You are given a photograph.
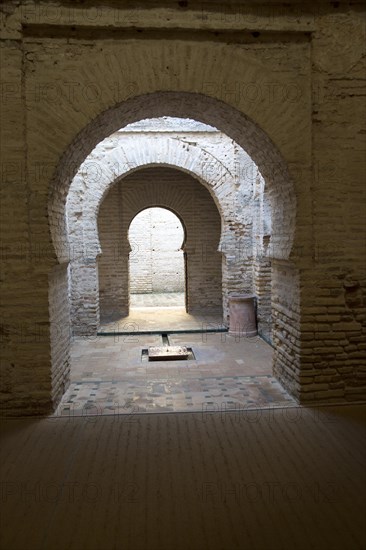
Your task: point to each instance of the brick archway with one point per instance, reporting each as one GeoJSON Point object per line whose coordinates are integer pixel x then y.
{"type": "Point", "coordinates": [204, 109]}
{"type": "Point", "coordinates": [280, 189]}
{"type": "Point", "coordinates": [180, 193]}
{"type": "Point", "coordinates": [120, 162]}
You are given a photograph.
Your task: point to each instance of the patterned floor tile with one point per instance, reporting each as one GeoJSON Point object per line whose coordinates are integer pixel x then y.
{"type": "Point", "coordinates": [117, 383]}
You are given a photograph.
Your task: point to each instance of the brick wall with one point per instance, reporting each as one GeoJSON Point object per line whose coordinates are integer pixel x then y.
{"type": "Point", "coordinates": [288, 88]}
{"type": "Point", "coordinates": [262, 266]}
{"type": "Point", "coordinates": [60, 331]}
{"type": "Point", "coordinates": [218, 164]}
{"type": "Point", "coordinates": [179, 192]}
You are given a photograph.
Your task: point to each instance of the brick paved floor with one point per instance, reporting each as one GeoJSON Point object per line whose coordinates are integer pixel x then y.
{"type": "Point", "coordinates": [111, 376]}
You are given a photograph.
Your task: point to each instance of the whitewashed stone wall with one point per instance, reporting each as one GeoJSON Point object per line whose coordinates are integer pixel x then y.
{"type": "Point", "coordinates": [156, 238]}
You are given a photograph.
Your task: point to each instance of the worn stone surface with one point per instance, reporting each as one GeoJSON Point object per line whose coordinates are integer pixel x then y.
{"type": "Point", "coordinates": [166, 353]}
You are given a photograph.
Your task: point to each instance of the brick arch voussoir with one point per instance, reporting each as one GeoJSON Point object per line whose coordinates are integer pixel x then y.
{"type": "Point", "coordinates": [166, 152]}
{"type": "Point", "coordinates": [203, 108]}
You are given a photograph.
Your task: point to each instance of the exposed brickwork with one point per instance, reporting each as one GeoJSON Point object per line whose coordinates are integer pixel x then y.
{"type": "Point", "coordinates": [333, 335]}
{"type": "Point", "coordinates": [288, 88]}
{"type": "Point", "coordinates": [217, 163]}
{"type": "Point", "coordinates": [262, 265]}
{"type": "Point", "coordinates": [182, 194]}
{"type": "Point", "coordinates": [60, 332]}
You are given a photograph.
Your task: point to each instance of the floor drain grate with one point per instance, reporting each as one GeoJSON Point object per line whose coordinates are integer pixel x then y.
{"type": "Point", "coordinates": [188, 356]}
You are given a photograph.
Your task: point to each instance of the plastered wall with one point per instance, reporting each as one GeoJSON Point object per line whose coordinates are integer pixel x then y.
{"type": "Point", "coordinates": [156, 260]}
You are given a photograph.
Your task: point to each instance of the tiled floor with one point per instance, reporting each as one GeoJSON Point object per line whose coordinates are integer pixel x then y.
{"type": "Point", "coordinates": [110, 377]}
{"type": "Point", "coordinates": [151, 313]}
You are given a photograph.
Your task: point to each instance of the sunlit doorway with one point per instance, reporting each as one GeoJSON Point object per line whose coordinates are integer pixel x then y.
{"type": "Point", "coordinates": [157, 265]}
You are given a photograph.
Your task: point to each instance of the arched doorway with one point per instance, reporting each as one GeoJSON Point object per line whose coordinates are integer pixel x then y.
{"type": "Point", "coordinates": [180, 193]}
{"type": "Point", "coordinates": [271, 165]}
{"type": "Point", "coordinates": [115, 159]}
{"type": "Point", "coordinates": [157, 275]}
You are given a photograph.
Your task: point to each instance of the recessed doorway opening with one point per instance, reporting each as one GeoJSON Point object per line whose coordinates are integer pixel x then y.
{"type": "Point", "coordinates": [219, 192]}
{"type": "Point", "coordinates": [157, 273]}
